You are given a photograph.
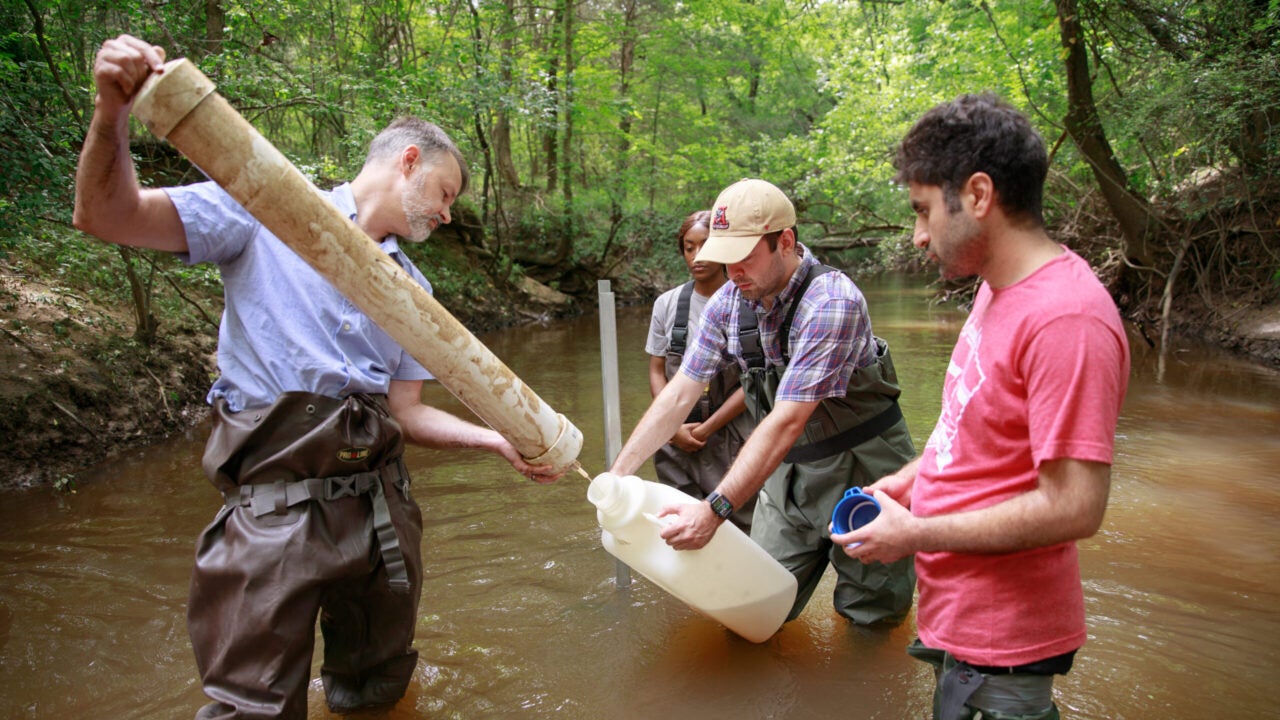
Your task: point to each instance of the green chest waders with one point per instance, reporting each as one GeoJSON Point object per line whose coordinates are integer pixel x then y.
{"type": "Point", "coordinates": [849, 441]}
{"type": "Point", "coordinates": [699, 473]}
{"type": "Point", "coordinates": [317, 521]}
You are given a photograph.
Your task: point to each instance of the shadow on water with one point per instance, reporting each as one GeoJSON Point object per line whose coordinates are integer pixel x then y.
{"type": "Point", "coordinates": [521, 618]}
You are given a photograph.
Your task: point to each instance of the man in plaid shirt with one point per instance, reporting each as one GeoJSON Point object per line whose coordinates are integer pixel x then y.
{"type": "Point", "coordinates": [821, 388]}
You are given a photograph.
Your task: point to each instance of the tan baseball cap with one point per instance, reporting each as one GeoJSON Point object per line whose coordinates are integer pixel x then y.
{"type": "Point", "coordinates": [744, 212]}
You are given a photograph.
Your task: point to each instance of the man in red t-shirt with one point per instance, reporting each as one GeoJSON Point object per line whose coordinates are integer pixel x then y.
{"type": "Point", "coordinates": [1019, 465]}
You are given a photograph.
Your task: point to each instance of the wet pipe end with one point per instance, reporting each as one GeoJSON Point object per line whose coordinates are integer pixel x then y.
{"type": "Point", "coordinates": [563, 453]}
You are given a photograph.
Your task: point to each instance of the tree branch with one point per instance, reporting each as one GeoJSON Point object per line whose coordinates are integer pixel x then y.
{"type": "Point", "coordinates": [53, 66]}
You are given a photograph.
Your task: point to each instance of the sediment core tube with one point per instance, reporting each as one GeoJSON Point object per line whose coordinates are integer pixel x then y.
{"type": "Point", "coordinates": [180, 105]}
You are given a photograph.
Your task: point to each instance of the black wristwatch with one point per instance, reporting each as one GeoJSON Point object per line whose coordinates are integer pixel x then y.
{"type": "Point", "coordinates": [720, 505]}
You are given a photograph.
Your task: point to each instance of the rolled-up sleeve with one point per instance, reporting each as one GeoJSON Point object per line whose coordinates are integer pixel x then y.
{"type": "Point", "coordinates": [218, 228]}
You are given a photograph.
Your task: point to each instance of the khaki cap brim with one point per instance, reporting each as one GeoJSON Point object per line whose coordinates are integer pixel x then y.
{"type": "Point", "coordinates": [727, 249]}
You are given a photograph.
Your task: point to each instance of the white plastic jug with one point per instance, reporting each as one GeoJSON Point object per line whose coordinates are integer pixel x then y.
{"type": "Point", "coordinates": [731, 579]}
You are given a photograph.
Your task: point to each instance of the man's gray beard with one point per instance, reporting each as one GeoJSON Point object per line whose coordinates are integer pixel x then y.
{"type": "Point", "coordinates": [419, 221]}
{"type": "Point", "coordinates": [419, 225]}
{"type": "Point", "coordinates": [415, 239]}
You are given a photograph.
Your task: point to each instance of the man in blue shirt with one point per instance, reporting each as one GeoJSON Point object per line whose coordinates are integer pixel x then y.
{"type": "Point", "coordinates": [310, 415]}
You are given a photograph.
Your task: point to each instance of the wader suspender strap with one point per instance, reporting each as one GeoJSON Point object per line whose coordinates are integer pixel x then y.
{"type": "Point", "coordinates": [753, 354]}
{"type": "Point", "coordinates": [277, 497]}
{"type": "Point", "coordinates": [680, 342]}
{"type": "Point", "coordinates": [388, 541]}
{"type": "Point", "coordinates": [749, 329]}
{"type": "Point", "coordinates": [749, 337]}
{"type": "Point", "coordinates": [680, 331]}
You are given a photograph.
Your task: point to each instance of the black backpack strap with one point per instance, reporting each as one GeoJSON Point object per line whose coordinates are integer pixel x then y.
{"type": "Point", "coordinates": [680, 331]}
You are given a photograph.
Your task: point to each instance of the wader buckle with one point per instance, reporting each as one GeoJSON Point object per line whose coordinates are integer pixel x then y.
{"type": "Point", "coordinates": [276, 497]}
{"type": "Point", "coordinates": [343, 486]}
{"type": "Point", "coordinates": [846, 439]}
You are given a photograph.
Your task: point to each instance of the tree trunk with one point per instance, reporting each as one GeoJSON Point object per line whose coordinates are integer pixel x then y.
{"type": "Point", "coordinates": [565, 246]}
{"type": "Point", "coordinates": [1137, 222]}
{"type": "Point", "coordinates": [478, 113]}
{"type": "Point", "coordinates": [550, 132]}
{"type": "Point", "coordinates": [566, 109]}
{"type": "Point", "coordinates": [508, 176]}
{"type": "Point", "coordinates": [144, 330]}
{"type": "Point", "coordinates": [626, 58]}
{"type": "Point", "coordinates": [215, 19]}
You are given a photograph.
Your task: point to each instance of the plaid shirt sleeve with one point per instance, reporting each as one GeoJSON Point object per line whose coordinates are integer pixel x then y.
{"type": "Point", "coordinates": [830, 338]}
{"type": "Point", "coordinates": [708, 352]}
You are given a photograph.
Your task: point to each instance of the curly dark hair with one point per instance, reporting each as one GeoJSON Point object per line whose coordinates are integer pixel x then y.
{"type": "Point", "coordinates": [972, 134]}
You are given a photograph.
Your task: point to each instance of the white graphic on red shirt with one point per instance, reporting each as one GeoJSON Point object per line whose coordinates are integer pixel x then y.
{"type": "Point", "coordinates": [963, 382]}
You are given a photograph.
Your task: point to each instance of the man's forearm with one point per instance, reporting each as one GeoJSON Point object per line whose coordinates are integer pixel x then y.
{"type": "Point", "coordinates": [764, 451]}
{"type": "Point", "coordinates": [660, 422]}
{"type": "Point", "coordinates": [652, 432]}
{"type": "Point", "coordinates": [1068, 505]}
{"type": "Point", "coordinates": [105, 172]}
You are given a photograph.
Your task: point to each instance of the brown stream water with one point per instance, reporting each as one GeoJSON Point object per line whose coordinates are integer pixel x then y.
{"type": "Point", "coordinates": [521, 617]}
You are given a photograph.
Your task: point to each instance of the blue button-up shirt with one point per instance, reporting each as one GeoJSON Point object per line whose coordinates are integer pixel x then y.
{"type": "Point", "coordinates": [830, 335]}
{"type": "Point", "coordinates": [285, 328]}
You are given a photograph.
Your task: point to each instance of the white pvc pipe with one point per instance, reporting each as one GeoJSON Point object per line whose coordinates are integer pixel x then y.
{"type": "Point", "coordinates": [612, 401]}
{"type": "Point", "coordinates": [181, 106]}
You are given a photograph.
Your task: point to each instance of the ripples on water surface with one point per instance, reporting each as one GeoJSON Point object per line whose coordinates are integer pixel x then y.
{"type": "Point", "coordinates": [521, 618]}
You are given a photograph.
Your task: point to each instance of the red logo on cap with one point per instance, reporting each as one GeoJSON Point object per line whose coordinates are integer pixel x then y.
{"type": "Point", "coordinates": [718, 219]}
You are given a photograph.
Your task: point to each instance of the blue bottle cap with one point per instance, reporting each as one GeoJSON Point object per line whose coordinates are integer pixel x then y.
{"type": "Point", "coordinates": [853, 511]}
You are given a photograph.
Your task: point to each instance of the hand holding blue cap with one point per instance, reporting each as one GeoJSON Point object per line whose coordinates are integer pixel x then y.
{"type": "Point", "coordinates": [853, 511]}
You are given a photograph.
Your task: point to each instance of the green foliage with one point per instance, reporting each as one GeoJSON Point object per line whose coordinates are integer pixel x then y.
{"type": "Point", "coordinates": [1195, 87]}
{"type": "Point", "coordinates": [37, 142]}
{"type": "Point", "coordinates": [612, 128]}
{"type": "Point", "coordinates": [452, 278]}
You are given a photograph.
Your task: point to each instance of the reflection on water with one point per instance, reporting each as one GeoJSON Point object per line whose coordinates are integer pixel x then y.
{"type": "Point", "coordinates": [520, 616]}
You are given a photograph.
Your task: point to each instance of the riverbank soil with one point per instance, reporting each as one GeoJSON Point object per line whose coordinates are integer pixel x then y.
{"type": "Point", "coordinates": [1214, 274]}
{"type": "Point", "coordinates": [75, 387]}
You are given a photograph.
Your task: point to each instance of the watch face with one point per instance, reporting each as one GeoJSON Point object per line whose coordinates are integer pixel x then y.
{"type": "Point", "coordinates": [719, 505]}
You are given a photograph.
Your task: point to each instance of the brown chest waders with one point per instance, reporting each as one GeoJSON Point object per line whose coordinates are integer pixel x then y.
{"type": "Point", "coordinates": [317, 522]}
